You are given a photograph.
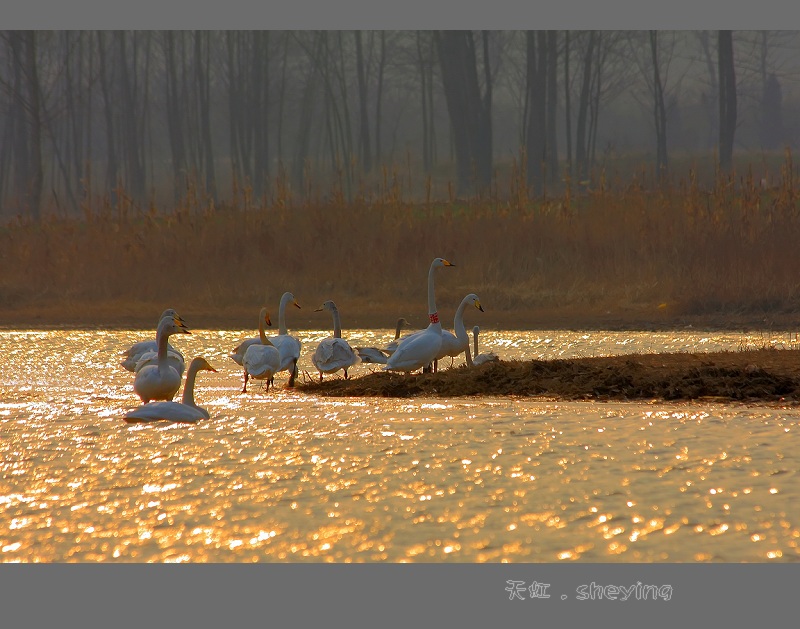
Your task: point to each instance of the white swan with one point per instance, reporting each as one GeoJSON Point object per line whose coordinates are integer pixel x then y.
{"type": "Point", "coordinates": [488, 357]}
{"type": "Point", "coordinates": [287, 345]}
{"type": "Point", "coordinates": [458, 343]}
{"type": "Point", "coordinates": [133, 355]}
{"type": "Point", "coordinates": [261, 361]}
{"type": "Point", "coordinates": [333, 353]}
{"type": "Point", "coordinates": [184, 411]}
{"type": "Point", "coordinates": [420, 350]}
{"type": "Point", "coordinates": [261, 339]}
{"type": "Point", "coordinates": [375, 355]}
{"type": "Point", "coordinates": [150, 357]}
{"type": "Point", "coordinates": [161, 381]}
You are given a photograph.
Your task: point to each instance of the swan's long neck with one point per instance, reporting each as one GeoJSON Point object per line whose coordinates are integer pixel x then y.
{"type": "Point", "coordinates": [162, 337]}
{"type": "Point", "coordinates": [337, 324]}
{"type": "Point", "coordinates": [282, 315]}
{"type": "Point", "coordinates": [458, 323]}
{"type": "Point", "coordinates": [397, 330]}
{"type": "Point", "coordinates": [261, 333]}
{"type": "Point", "coordinates": [433, 314]}
{"type": "Point", "coordinates": [188, 388]}
{"type": "Point", "coordinates": [475, 342]}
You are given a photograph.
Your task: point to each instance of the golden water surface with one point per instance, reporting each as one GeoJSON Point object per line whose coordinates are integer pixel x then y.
{"type": "Point", "coordinates": [281, 476]}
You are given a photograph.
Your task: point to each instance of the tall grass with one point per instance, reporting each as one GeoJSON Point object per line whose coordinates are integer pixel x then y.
{"type": "Point", "coordinates": [620, 250]}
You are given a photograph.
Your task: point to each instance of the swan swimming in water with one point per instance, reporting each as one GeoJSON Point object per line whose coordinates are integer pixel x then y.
{"type": "Point", "coordinates": [420, 350]}
{"type": "Point", "coordinates": [333, 353]}
{"type": "Point", "coordinates": [132, 357]}
{"type": "Point", "coordinates": [488, 357]}
{"type": "Point", "coordinates": [288, 346]}
{"type": "Point", "coordinates": [183, 411]}
{"type": "Point", "coordinates": [161, 380]}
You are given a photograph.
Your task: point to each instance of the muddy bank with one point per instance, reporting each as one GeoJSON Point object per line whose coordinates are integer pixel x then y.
{"type": "Point", "coordinates": [768, 375]}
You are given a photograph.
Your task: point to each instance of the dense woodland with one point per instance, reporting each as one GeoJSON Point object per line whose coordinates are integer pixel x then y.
{"type": "Point", "coordinates": [89, 116]}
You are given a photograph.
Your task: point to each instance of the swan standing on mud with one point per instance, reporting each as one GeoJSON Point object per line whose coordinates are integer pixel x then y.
{"type": "Point", "coordinates": [458, 343]}
{"type": "Point", "coordinates": [184, 411]}
{"type": "Point", "coordinates": [261, 361]}
{"type": "Point", "coordinates": [137, 355]}
{"type": "Point", "coordinates": [161, 381]}
{"type": "Point", "coordinates": [333, 353]}
{"type": "Point", "coordinates": [420, 350]}
{"type": "Point", "coordinates": [261, 339]}
{"type": "Point", "coordinates": [288, 346]}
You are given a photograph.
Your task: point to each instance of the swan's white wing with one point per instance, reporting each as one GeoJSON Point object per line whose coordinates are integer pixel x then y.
{"type": "Point", "coordinates": [154, 384]}
{"type": "Point", "coordinates": [451, 346]}
{"type": "Point", "coordinates": [289, 348]}
{"type": "Point", "coordinates": [391, 348]}
{"type": "Point", "coordinates": [416, 351]}
{"type": "Point", "coordinates": [241, 348]}
{"type": "Point", "coordinates": [261, 361]}
{"type": "Point", "coordinates": [170, 411]}
{"type": "Point", "coordinates": [134, 353]}
{"type": "Point", "coordinates": [371, 355]}
{"type": "Point", "coordinates": [333, 354]}
{"type": "Point", "coordinates": [174, 359]}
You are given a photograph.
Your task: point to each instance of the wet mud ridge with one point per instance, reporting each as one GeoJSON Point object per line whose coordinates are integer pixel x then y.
{"type": "Point", "coordinates": [767, 375]}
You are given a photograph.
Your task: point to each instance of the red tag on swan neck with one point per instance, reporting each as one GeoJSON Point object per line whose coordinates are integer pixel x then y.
{"type": "Point", "coordinates": [434, 317]}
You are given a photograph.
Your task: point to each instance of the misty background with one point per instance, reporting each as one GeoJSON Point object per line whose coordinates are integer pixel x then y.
{"type": "Point", "coordinates": [88, 116]}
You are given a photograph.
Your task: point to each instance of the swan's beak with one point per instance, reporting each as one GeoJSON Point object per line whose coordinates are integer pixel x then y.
{"type": "Point", "coordinates": [478, 306]}
{"type": "Point", "coordinates": [446, 263]}
{"type": "Point", "coordinates": [181, 325]}
{"type": "Point", "coordinates": [268, 321]}
{"type": "Point", "coordinates": [315, 310]}
{"type": "Point", "coordinates": [296, 304]}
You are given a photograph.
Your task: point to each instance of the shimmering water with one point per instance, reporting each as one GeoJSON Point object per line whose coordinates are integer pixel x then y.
{"type": "Point", "coordinates": [288, 477]}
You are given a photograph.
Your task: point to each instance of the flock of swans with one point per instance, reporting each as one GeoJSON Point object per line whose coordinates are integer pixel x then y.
{"type": "Point", "coordinates": [159, 367]}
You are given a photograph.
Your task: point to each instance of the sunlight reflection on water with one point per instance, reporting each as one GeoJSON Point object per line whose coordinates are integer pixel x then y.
{"type": "Point", "coordinates": [284, 476]}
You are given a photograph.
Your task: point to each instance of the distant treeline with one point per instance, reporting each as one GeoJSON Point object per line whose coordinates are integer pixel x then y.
{"type": "Point", "coordinates": [161, 115]}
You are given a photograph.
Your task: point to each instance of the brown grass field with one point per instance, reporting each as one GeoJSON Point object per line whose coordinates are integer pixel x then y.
{"type": "Point", "coordinates": [615, 254]}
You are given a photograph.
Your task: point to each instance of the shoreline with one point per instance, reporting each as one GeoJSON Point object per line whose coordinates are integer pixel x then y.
{"type": "Point", "coordinates": [116, 316]}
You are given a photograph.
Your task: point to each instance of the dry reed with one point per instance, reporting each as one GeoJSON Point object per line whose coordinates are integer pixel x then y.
{"type": "Point", "coordinates": [612, 252]}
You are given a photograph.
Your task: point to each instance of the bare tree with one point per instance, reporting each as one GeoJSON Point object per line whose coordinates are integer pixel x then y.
{"type": "Point", "coordinates": [469, 107]}
{"type": "Point", "coordinates": [727, 99]}
{"type": "Point", "coordinates": [364, 144]}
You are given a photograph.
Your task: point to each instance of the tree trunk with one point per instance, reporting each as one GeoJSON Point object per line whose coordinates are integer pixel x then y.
{"type": "Point", "coordinates": [379, 97]}
{"type": "Point", "coordinates": [175, 118]}
{"type": "Point", "coordinates": [551, 141]}
{"type": "Point", "coordinates": [364, 143]}
{"type": "Point", "coordinates": [581, 157]}
{"type": "Point", "coordinates": [567, 110]}
{"type": "Point", "coordinates": [536, 126]}
{"type": "Point", "coordinates": [112, 162]}
{"type": "Point", "coordinates": [727, 99]}
{"type": "Point", "coordinates": [469, 110]}
{"type": "Point", "coordinates": [659, 110]}
{"type": "Point", "coordinates": [131, 140]}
